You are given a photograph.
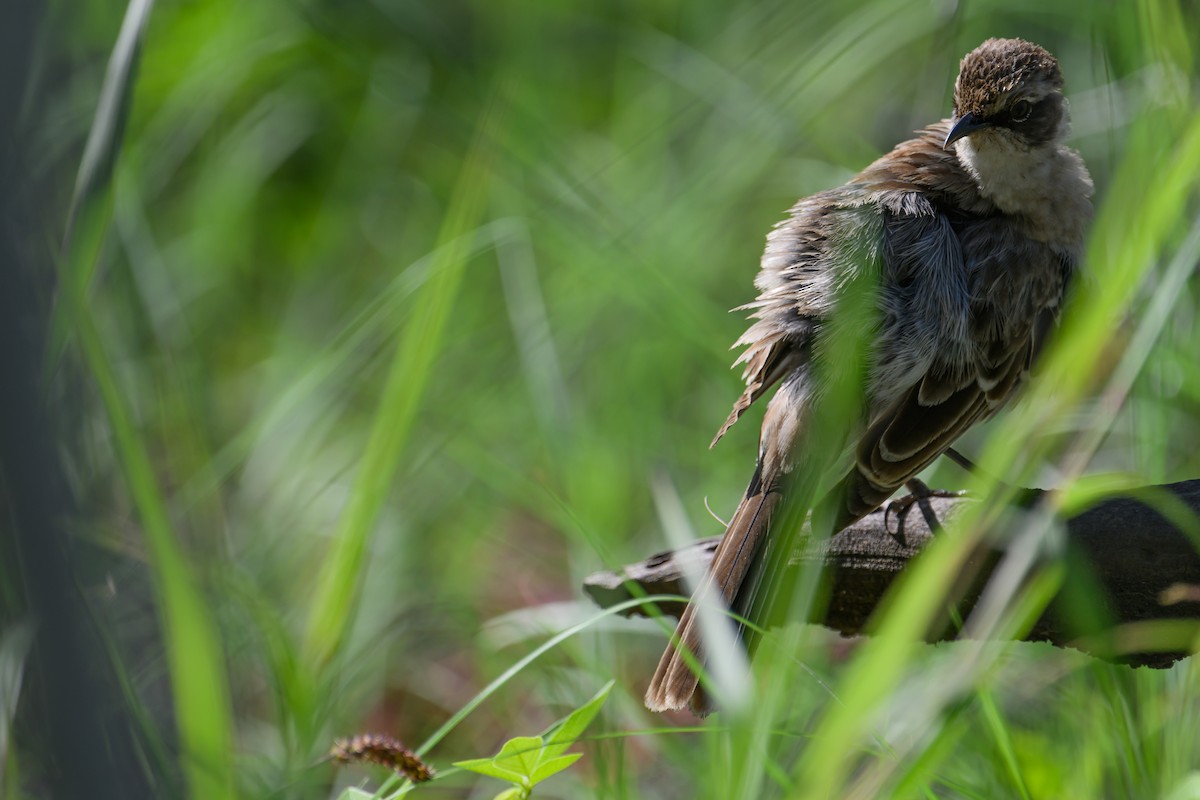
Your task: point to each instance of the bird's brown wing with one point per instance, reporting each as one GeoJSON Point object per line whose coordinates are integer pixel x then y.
{"type": "Point", "coordinates": [829, 242]}
{"type": "Point", "coordinates": [926, 420]}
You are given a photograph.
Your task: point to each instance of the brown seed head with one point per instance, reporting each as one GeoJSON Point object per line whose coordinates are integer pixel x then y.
{"type": "Point", "coordinates": [383, 750]}
{"type": "Point", "coordinates": [993, 74]}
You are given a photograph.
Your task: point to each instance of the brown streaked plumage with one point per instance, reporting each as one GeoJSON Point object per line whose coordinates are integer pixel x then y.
{"type": "Point", "coordinates": [968, 234]}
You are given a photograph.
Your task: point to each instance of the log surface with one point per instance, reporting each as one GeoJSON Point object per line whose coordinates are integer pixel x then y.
{"type": "Point", "coordinates": [1131, 575]}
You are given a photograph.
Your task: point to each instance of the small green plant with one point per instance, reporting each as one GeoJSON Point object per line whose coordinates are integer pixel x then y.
{"type": "Point", "coordinates": [525, 761]}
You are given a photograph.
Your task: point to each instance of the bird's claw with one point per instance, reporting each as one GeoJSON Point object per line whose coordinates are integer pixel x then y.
{"type": "Point", "coordinates": [900, 506]}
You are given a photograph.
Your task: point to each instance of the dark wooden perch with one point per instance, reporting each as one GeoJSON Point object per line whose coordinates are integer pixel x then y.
{"type": "Point", "coordinates": [1126, 563]}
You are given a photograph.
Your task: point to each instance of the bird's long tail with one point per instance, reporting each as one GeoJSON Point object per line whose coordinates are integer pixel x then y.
{"type": "Point", "coordinates": [675, 685]}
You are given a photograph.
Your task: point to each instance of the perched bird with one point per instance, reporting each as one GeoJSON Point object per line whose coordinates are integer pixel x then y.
{"type": "Point", "coordinates": [968, 234]}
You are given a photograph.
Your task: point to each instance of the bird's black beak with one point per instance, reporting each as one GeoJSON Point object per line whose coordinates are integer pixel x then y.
{"type": "Point", "coordinates": [963, 126]}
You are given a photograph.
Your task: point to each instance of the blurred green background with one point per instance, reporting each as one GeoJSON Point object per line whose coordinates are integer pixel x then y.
{"type": "Point", "coordinates": [393, 314]}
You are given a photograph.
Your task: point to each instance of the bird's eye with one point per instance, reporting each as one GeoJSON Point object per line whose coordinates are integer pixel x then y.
{"type": "Point", "coordinates": [1020, 111]}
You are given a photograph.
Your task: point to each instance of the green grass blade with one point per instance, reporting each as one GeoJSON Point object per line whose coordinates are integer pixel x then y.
{"type": "Point", "coordinates": [194, 652]}
{"type": "Point", "coordinates": [91, 200]}
{"type": "Point", "coordinates": [104, 138]}
{"type": "Point", "coordinates": [195, 656]}
{"type": "Point", "coordinates": [525, 661]}
{"type": "Point", "coordinates": [576, 723]}
{"type": "Point", "coordinates": [995, 726]}
{"type": "Point", "coordinates": [416, 353]}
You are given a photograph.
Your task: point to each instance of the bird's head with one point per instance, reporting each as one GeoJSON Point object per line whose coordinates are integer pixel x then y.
{"type": "Point", "coordinates": [1008, 91]}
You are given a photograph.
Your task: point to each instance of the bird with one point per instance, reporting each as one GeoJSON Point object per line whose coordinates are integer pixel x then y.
{"type": "Point", "coordinates": [967, 236]}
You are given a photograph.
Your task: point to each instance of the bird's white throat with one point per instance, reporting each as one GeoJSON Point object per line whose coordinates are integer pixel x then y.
{"type": "Point", "coordinates": [1042, 184]}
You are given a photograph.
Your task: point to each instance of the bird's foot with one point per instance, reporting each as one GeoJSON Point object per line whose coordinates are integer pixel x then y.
{"type": "Point", "coordinates": [918, 495]}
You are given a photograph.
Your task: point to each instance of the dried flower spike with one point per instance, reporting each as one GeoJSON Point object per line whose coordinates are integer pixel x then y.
{"type": "Point", "coordinates": [385, 751]}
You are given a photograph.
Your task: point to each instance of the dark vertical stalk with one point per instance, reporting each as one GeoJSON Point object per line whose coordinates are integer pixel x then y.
{"type": "Point", "coordinates": [74, 732]}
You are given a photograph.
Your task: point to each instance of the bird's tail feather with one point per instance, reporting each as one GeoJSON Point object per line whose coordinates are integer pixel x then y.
{"type": "Point", "coordinates": [675, 684]}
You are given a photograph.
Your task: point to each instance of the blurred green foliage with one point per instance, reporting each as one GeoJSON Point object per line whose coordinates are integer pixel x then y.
{"type": "Point", "coordinates": [449, 281]}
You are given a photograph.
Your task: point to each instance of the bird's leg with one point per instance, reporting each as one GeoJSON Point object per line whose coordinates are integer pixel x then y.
{"type": "Point", "coordinates": [964, 462]}
{"type": "Point", "coordinates": [918, 494]}
{"type": "Point", "coordinates": [1022, 496]}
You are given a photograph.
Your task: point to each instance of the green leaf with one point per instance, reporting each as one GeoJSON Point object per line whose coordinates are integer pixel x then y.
{"type": "Point", "coordinates": [521, 754]}
{"type": "Point", "coordinates": [574, 725]}
{"type": "Point", "coordinates": [488, 766]}
{"type": "Point", "coordinates": [528, 760]}
{"type": "Point", "coordinates": [551, 766]}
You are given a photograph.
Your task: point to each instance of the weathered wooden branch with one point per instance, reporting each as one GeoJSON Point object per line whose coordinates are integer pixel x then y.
{"type": "Point", "coordinates": [1132, 584]}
